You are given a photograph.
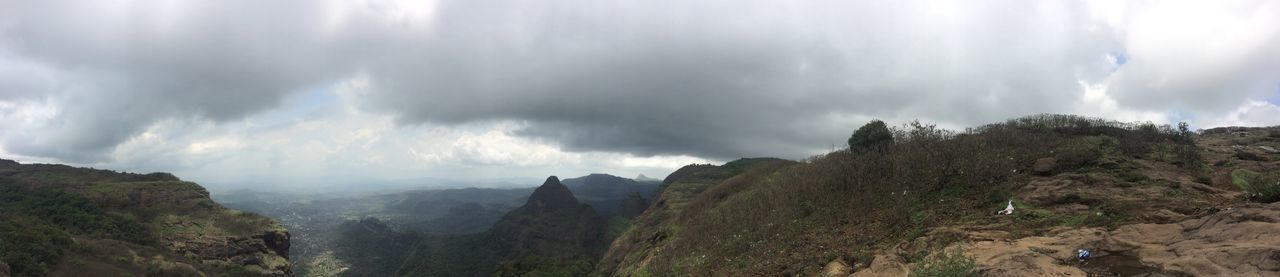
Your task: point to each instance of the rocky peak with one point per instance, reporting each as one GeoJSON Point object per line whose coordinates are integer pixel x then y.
{"type": "Point", "coordinates": [643, 178]}
{"type": "Point", "coordinates": [551, 196]}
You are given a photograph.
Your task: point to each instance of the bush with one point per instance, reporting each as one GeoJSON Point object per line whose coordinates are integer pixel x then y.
{"type": "Point", "coordinates": [1262, 187]}
{"type": "Point", "coordinates": [872, 135]}
{"type": "Point", "coordinates": [952, 264]}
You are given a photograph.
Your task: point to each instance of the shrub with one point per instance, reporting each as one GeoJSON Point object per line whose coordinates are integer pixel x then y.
{"type": "Point", "coordinates": [1262, 187]}
{"type": "Point", "coordinates": [873, 134]}
{"type": "Point", "coordinates": [942, 264]}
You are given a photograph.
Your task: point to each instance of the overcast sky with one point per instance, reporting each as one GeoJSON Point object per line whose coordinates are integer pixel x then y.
{"type": "Point", "coordinates": [299, 93]}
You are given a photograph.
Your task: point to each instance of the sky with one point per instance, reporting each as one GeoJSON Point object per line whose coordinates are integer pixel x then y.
{"type": "Point", "coordinates": [296, 94]}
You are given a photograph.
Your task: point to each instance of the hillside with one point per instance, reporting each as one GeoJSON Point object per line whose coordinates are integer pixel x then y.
{"type": "Point", "coordinates": [1144, 198]}
{"type": "Point", "coordinates": [603, 191]}
{"type": "Point", "coordinates": [552, 233]}
{"type": "Point", "coordinates": [321, 223]}
{"type": "Point", "coordinates": [66, 221]}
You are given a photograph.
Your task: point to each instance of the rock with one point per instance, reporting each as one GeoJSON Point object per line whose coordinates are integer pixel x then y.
{"type": "Point", "coordinates": [1228, 243]}
{"type": "Point", "coordinates": [277, 241]}
{"type": "Point", "coordinates": [1268, 149]}
{"type": "Point", "coordinates": [4, 269]}
{"type": "Point", "coordinates": [1033, 256]}
{"type": "Point", "coordinates": [884, 265]}
{"type": "Point", "coordinates": [1248, 156]}
{"type": "Point", "coordinates": [551, 196]}
{"type": "Point", "coordinates": [836, 268]}
{"type": "Point", "coordinates": [1233, 242]}
{"type": "Point", "coordinates": [1044, 166]}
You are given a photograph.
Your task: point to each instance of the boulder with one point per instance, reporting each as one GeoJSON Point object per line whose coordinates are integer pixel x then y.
{"type": "Point", "coordinates": [1044, 166]}
{"type": "Point", "coordinates": [1249, 156]}
{"type": "Point", "coordinates": [884, 265]}
{"type": "Point", "coordinates": [836, 268]}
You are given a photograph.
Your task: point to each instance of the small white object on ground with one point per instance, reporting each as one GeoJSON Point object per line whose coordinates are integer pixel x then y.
{"type": "Point", "coordinates": [1007, 210]}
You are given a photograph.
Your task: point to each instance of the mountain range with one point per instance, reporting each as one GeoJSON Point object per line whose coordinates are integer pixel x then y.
{"type": "Point", "coordinates": [1142, 199]}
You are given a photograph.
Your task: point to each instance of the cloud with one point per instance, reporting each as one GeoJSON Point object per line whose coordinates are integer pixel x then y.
{"type": "Point", "coordinates": [731, 79]}
{"type": "Point", "coordinates": [314, 86]}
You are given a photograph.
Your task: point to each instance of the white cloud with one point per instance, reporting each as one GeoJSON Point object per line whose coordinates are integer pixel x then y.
{"type": "Point", "coordinates": [301, 92]}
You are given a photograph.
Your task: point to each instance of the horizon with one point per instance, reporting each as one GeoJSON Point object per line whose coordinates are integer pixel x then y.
{"type": "Point", "coordinates": [374, 94]}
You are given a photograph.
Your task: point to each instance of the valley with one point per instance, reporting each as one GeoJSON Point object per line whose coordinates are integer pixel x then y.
{"type": "Point", "coordinates": [911, 200]}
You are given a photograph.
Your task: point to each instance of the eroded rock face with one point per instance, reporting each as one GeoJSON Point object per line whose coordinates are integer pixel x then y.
{"type": "Point", "coordinates": [1237, 242]}
{"type": "Point", "coordinates": [884, 265]}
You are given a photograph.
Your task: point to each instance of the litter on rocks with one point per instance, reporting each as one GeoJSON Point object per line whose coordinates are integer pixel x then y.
{"type": "Point", "coordinates": [1007, 210]}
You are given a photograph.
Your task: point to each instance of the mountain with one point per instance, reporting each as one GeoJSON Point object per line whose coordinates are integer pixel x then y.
{"type": "Point", "coordinates": [67, 221]}
{"type": "Point", "coordinates": [647, 179]}
{"type": "Point", "coordinates": [1144, 199]}
{"type": "Point", "coordinates": [603, 191]}
{"type": "Point", "coordinates": [552, 233]}
{"type": "Point", "coordinates": [440, 218]}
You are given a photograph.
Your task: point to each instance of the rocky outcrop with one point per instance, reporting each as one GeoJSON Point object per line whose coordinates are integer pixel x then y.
{"type": "Point", "coordinates": [1235, 242]}
{"type": "Point", "coordinates": [836, 268]}
{"type": "Point", "coordinates": [1044, 166]}
{"type": "Point", "coordinates": [188, 225]}
{"type": "Point", "coordinates": [1241, 241]}
{"type": "Point", "coordinates": [549, 197]}
{"type": "Point", "coordinates": [883, 265]}
{"type": "Point", "coordinates": [552, 224]}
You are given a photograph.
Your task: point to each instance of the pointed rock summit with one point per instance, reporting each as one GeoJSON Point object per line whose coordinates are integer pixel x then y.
{"type": "Point", "coordinates": [643, 178]}
{"type": "Point", "coordinates": [551, 196]}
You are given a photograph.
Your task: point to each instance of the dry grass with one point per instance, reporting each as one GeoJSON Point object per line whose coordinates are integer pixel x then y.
{"type": "Point", "coordinates": [792, 219]}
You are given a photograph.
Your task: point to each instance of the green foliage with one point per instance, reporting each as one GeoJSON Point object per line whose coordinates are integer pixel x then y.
{"type": "Point", "coordinates": [873, 134]}
{"type": "Point", "coordinates": [538, 266]}
{"type": "Point", "coordinates": [36, 226]}
{"type": "Point", "coordinates": [31, 246]}
{"type": "Point", "coordinates": [943, 264]}
{"type": "Point", "coordinates": [615, 226]}
{"type": "Point", "coordinates": [1264, 188]}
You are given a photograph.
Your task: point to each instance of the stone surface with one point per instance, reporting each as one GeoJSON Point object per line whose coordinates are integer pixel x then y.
{"type": "Point", "coordinates": [1044, 166]}
{"type": "Point", "coordinates": [836, 268]}
{"type": "Point", "coordinates": [884, 265]}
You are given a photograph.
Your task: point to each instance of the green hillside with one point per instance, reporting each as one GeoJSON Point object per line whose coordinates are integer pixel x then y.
{"type": "Point", "coordinates": [67, 221]}
{"type": "Point", "coordinates": [886, 210]}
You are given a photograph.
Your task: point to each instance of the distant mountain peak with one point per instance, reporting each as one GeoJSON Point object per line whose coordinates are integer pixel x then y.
{"type": "Point", "coordinates": [552, 195]}
{"type": "Point", "coordinates": [643, 178]}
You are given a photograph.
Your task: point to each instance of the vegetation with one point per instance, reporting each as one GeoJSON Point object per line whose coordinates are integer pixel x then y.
{"type": "Point", "coordinates": [1261, 187]}
{"type": "Point", "coordinates": [874, 134]}
{"type": "Point", "coordinates": [37, 227]}
{"type": "Point", "coordinates": [848, 202]}
{"type": "Point", "coordinates": [943, 264]}
{"type": "Point", "coordinates": [57, 219]}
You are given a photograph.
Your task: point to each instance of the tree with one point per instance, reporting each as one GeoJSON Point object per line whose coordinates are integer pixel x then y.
{"type": "Point", "coordinates": [872, 135]}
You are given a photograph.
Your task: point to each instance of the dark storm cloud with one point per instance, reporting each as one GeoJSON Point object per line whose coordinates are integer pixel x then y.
{"type": "Point", "coordinates": [716, 79]}
{"type": "Point", "coordinates": [118, 67]}
{"type": "Point", "coordinates": [725, 80]}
